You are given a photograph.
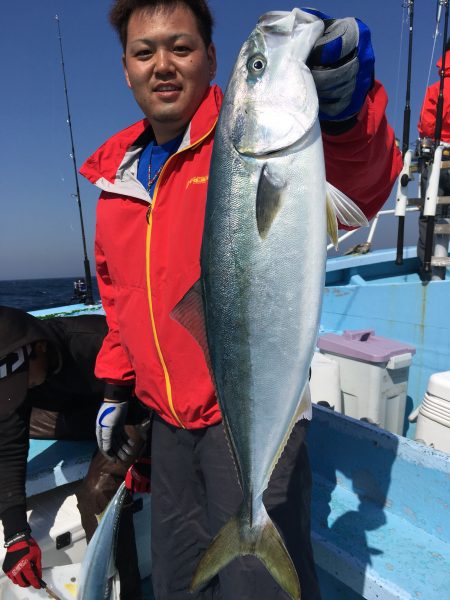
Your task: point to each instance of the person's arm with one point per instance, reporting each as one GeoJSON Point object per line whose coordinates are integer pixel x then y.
{"type": "Point", "coordinates": [22, 562]}
{"type": "Point", "coordinates": [364, 162]}
{"type": "Point", "coordinates": [114, 367]}
{"type": "Point", "coordinates": [427, 121]}
{"type": "Point", "coordinates": [14, 443]}
{"type": "Point", "coordinates": [113, 364]}
{"type": "Point", "coordinates": [361, 156]}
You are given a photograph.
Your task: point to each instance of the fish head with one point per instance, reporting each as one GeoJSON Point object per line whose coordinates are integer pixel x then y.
{"type": "Point", "coordinates": [271, 100]}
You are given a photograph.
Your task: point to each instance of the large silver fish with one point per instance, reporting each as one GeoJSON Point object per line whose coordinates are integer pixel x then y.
{"type": "Point", "coordinates": [98, 566]}
{"type": "Point", "coordinates": [263, 266]}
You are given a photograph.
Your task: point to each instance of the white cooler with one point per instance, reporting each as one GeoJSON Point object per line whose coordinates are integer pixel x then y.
{"type": "Point", "coordinates": [433, 422]}
{"type": "Point", "coordinates": [325, 382]}
{"type": "Point", "coordinates": [373, 375]}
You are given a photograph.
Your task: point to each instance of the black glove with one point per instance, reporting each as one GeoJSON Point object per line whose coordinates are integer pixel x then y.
{"type": "Point", "coordinates": [342, 64]}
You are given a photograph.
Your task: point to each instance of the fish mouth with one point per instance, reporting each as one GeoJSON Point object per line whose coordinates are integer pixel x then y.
{"type": "Point", "coordinates": [268, 135]}
{"type": "Point", "coordinates": [276, 152]}
{"type": "Point", "coordinates": [270, 153]}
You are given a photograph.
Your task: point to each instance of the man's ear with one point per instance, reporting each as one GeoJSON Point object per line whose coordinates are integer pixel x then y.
{"type": "Point", "coordinates": [212, 61]}
{"type": "Point", "coordinates": [40, 347]}
{"type": "Point", "coordinates": [125, 70]}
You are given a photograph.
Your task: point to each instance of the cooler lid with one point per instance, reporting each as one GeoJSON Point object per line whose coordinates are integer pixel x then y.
{"type": "Point", "coordinates": [439, 385]}
{"type": "Point", "coordinates": [363, 344]}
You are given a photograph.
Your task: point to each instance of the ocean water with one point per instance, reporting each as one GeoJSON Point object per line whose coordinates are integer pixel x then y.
{"type": "Point", "coordinates": [33, 294]}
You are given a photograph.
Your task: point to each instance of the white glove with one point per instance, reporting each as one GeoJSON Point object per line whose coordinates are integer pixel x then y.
{"type": "Point", "coordinates": [112, 440]}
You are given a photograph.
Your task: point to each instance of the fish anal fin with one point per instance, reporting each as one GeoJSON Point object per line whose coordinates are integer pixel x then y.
{"type": "Point", "coordinates": [268, 201]}
{"type": "Point", "coordinates": [262, 540]}
{"type": "Point", "coordinates": [189, 314]}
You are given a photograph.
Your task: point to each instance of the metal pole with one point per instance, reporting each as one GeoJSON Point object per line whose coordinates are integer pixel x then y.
{"type": "Point", "coordinates": [406, 129]}
{"type": "Point", "coordinates": [87, 270]}
{"type": "Point", "coordinates": [437, 138]}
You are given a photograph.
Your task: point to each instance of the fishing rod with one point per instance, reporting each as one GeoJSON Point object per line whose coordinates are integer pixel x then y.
{"type": "Point", "coordinates": [406, 129]}
{"type": "Point", "coordinates": [87, 269]}
{"type": "Point", "coordinates": [437, 136]}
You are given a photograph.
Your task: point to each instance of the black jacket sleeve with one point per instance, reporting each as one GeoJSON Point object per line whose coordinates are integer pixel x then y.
{"type": "Point", "coordinates": [14, 444]}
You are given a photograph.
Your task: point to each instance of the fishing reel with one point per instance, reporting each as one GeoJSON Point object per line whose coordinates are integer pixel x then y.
{"type": "Point", "coordinates": [424, 152]}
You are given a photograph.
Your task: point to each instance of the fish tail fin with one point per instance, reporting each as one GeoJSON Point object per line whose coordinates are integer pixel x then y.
{"type": "Point", "coordinates": [271, 551]}
{"type": "Point", "coordinates": [235, 539]}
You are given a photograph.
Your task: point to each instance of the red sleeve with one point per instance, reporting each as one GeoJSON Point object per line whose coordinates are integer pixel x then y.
{"type": "Point", "coordinates": [364, 162]}
{"type": "Point", "coordinates": [427, 121]}
{"type": "Point", "coordinates": [112, 363]}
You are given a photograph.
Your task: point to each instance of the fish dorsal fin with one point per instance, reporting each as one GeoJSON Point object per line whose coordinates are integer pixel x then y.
{"type": "Point", "coordinates": [341, 208]}
{"type": "Point", "coordinates": [189, 313]}
{"type": "Point", "coordinates": [268, 200]}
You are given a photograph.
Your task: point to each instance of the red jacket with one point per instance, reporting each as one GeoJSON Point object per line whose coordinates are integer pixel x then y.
{"type": "Point", "coordinates": [427, 121]}
{"type": "Point", "coordinates": [148, 259]}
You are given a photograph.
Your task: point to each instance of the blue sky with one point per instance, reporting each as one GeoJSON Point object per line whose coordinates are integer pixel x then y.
{"type": "Point", "coordinates": [39, 227]}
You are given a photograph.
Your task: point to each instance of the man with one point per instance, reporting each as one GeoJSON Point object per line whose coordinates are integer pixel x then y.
{"type": "Point", "coordinates": [48, 390]}
{"type": "Point", "coordinates": [427, 128]}
{"type": "Point", "coordinates": [153, 177]}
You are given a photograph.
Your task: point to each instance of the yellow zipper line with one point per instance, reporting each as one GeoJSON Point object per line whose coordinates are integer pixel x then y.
{"type": "Point", "coordinates": [149, 289]}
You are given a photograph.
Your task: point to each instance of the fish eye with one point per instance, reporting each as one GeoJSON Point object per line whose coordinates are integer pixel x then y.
{"type": "Point", "coordinates": [257, 64]}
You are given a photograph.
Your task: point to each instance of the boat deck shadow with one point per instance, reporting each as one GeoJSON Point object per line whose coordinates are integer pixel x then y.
{"type": "Point", "coordinates": [380, 514]}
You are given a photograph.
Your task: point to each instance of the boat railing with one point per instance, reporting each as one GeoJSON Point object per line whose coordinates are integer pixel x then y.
{"type": "Point", "coordinates": [434, 231]}
{"type": "Point", "coordinates": [366, 246]}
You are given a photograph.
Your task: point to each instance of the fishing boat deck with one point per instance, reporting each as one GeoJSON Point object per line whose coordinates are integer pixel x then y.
{"type": "Point", "coordinates": [381, 508]}
{"type": "Point", "coordinates": [52, 463]}
{"type": "Point", "coordinates": [381, 512]}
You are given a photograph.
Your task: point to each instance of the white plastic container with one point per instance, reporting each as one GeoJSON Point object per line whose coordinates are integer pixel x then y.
{"type": "Point", "coordinates": [325, 382]}
{"type": "Point", "coordinates": [374, 375]}
{"type": "Point", "coordinates": [433, 422]}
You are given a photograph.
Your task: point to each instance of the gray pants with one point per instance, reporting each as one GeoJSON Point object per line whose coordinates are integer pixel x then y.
{"type": "Point", "coordinates": [195, 491]}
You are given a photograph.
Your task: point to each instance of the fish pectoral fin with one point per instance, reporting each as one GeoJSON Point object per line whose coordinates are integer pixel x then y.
{"type": "Point", "coordinates": [341, 208]}
{"type": "Point", "coordinates": [237, 538]}
{"type": "Point", "coordinates": [189, 314]}
{"type": "Point", "coordinates": [268, 200]}
{"type": "Point", "coordinates": [332, 225]}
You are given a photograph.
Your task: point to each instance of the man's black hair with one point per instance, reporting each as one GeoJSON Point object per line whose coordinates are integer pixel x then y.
{"type": "Point", "coordinates": [122, 10]}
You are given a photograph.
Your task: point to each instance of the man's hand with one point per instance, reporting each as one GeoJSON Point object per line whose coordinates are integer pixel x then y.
{"type": "Point", "coordinates": [22, 562]}
{"type": "Point", "coordinates": [342, 64]}
{"type": "Point", "coordinates": [138, 477]}
{"type": "Point", "coordinates": [112, 440]}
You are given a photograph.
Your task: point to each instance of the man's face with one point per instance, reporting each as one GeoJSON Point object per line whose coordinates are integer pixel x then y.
{"type": "Point", "coordinates": [168, 67]}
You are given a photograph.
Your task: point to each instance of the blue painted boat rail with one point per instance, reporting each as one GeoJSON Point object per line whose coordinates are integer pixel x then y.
{"type": "Point", "coordinates": [381, 512]}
